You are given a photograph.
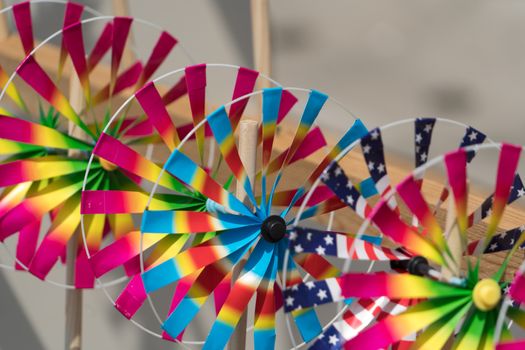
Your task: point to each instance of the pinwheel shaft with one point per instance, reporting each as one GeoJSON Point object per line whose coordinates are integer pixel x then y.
{"type": "Point", "coordinates": [417, 265]}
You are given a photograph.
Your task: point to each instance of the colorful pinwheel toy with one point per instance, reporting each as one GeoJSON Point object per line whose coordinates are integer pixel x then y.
{"type": "Point", "coordinates": [437, 295]}
{"type": "Point", "coordinates": [193, 245]}
{"type": "Point", "coordinates": [40, 177]}
{"type": "Point", "coordinates": [368, 249]}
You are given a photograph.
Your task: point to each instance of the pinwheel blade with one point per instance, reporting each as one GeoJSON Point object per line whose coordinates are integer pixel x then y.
{"type": "Point", "coordinates": [397, 286]}
{"type": "Point", "coordinates": [395, 328]}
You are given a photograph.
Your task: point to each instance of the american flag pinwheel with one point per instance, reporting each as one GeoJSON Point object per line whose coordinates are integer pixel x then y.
{"type": "Point", "coordinates": [41, 182]}
{"type": "Point", "coordinates": [437, 307]}
{"type": "Point", "coordinates": [192, 248]}
{"type": "Point", "coordinates": [357, 314]}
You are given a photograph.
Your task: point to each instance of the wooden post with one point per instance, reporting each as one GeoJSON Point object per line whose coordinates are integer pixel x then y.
{"type": "Point", "coordinates": [248, 134]}
{"type": "Point", "coordinates": [248, 154]}
{"type": "Point", "coordinates": [261, 40]}
{"type": "Point", "coordinates": [4, 28]}
{"type": "Point", "coordinates": [73, 329]}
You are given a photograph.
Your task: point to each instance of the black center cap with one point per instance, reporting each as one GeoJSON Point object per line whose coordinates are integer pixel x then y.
{"type": "Point", "coordinates": [273, 228]}
{"type": "Point", "coordinates": [417, 265]}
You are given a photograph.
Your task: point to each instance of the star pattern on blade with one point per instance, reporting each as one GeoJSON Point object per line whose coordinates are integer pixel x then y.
{"type": "Point", "coordinates": [335, 178]}
{"type": "Point", "coordinates": [472, 137]}
{"type": "Point", "coordinates": [423, 137]}
{"type": "Point", "coordinates": [305, 295]}
{"type": "Point", "coordinates": [375, 158]}
{"type": "Point", "coordinates": [331, 339]}
{"type": "Point", "coordinates": [500, 242]}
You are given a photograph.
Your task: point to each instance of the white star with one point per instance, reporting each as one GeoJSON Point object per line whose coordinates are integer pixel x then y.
{"type": "Point", "coordinates": [493, 246]}
{"type": "Point", "coordinates": [349, 184]}
{"type": "Point", "coordinates": [298, 248]}
{"type": "Point", "coordinates": [329, 240]}
{"type": "Point", "coordinates": [325, 176]}
{"type": "Point", "coordinates": [333, 340]}
{"type": "Point", "coordinates": [366, 149]}
{"type": "Point", "coordinates": [419, 138]}
{"type": "Point", "coordinates": [310, 285]}
{"type": "Point", "coordinates": [521, 192]}
{"type": "Point", "coordinates": [309, 236]}
{"type": "Point", "coordinates": [428, 128]}
{"type": "Point", "coordinates": [489, 212]}
{"type": "Point", "coordinates": [322, 294]}
{"type": "Point", "coordinates": [289, 301]}
{"type": "Point", "coordinates": [522, 228]}
{"type": "Point", "coordinates": [503, 234]}
{"type": "Point", "coordinates": [473, 135]}
{"type": "Point", "coordinates": [381, 168]}
{"type": "Point", "coordinates": [293, 236]}
{"type": "Point", "coordinates": [295, 287]}
{"type": "Point", "coordinates": [338, 171]}
{"type": "Point", "coordinates": [423, 157]}
{"type": "Point", "coordinates": [374, 135]}
{"type": "Point", "coordinates": [350, 200]}
{"type": "Point", "coordinates": [371, 166]}
{"type": "Point", "coordinates": [507, 289]}
{"type": "Point", "coordinates": [417, 149]}
{"type": "Point", "coordinates": [320, 250]}
{"type": "Point", "coordinates": [512, 241]}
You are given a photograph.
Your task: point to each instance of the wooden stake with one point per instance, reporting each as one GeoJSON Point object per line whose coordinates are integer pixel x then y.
{"type": "Point", "coordinates": [248, 154]}
{"type": "Point", "coordinates": [248, 133]}
{"type": "Point", "coordinates": [261, 40]}
{"type": "Point", "coordinates": [4, 28]}
{"type": "Point", "coordinates": [73, 330]}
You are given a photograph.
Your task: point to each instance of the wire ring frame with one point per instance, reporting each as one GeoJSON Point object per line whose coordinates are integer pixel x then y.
{"type": "Point", "coordinates": [181, 144]}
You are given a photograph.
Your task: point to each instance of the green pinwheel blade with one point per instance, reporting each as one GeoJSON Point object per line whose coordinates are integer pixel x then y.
{"type": "Point", "coordinates": [437, 334]}
{"type": "Point", "coordinates": [471, 332]}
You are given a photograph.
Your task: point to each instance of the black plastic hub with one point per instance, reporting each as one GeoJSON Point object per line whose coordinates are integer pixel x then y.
{"type": "Point", "coordinates": [273, 228]}
{"type": "Point", "coordinates": [418, 265]}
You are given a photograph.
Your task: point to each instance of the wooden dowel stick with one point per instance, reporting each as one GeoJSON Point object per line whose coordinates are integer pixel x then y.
{"type": "Point", "coordinates": [73, 329]}
{"type": "Point", "coordinates": [261, 40]}
{"type": "Point", "coordinates": [248, 154]}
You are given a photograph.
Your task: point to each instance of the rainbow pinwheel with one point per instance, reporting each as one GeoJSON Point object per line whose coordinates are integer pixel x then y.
{"type": "Point", "coordinates": [435, 303]}
{"type": "Point", "coordinates": [359, 314]}
{"type": "Point", "coordinates": [39, 175]}
{"type": "Point", "coordinates": [195, 249]}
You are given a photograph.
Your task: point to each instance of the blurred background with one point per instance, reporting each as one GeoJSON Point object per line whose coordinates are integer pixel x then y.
{"type": "Point", "coordinates": [385, 60]}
